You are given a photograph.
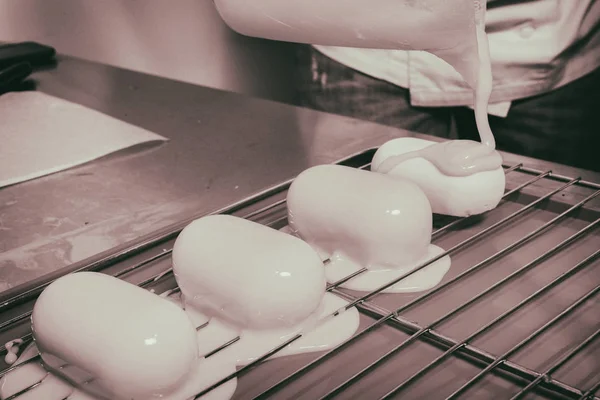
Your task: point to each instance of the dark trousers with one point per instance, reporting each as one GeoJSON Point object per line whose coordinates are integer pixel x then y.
{"type": "Point", "coordinates": [560, 126]}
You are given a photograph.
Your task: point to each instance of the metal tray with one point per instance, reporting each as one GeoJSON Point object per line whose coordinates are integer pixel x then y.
{"type": "Point", "coordinates": [517, 315]}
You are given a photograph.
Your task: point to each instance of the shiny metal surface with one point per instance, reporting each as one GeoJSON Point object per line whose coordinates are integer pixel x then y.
{"type": "Point", "coordinates": [223, 147]}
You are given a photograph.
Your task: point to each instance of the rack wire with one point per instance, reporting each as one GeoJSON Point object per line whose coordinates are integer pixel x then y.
{"type": "Point", "coordinates": [530, 380]}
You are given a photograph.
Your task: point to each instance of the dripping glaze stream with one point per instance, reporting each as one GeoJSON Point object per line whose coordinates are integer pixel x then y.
{"type": "Point", "coordinates": [464, 157]}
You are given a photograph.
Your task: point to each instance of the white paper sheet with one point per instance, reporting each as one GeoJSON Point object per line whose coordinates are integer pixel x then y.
{"type": "Point", "coordinates": [41, 134]}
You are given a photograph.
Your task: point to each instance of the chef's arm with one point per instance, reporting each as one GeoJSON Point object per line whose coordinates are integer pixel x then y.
{"type": "Point", "coordinates": [387, 24]}
{"type": "Point", "coordinates": [442, 27]}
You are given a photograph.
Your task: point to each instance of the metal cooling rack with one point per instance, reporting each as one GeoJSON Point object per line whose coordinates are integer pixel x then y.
{"type": "Point", "coordinates": [528, 380]}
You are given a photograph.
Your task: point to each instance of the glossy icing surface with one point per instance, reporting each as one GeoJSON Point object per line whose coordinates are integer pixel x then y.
{"type": "Point", "coordinates": [451, 158]}
{"type": "Point", "coordinates": [460, 158]}
{"type": "Point", "coordinates": [424, 279]}
{"type": "Point", "coordinates": [269, 289]}
{"type": "Point", "coordinates": [319, 332]}
{"type": "Point", "coordinates": [246, 274]}
{"type": "Point", "coordinates": [130, 343]}
{"type": "Point", "coordinates": [12, 350]}
{"type": "Point", "coordinates": [451, 195]}
{"type": "Point", "coordinates": [362, 219]}
{"type": "Point", "coordinates": [484, 83]}
{"type": "Point", "coordinates": [323, 334]}
{"type": "Point", "coordinates": [52, 386]}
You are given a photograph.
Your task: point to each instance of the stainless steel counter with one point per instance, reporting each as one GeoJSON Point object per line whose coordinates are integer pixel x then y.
{"type": "Point", "coordinates": [518, 301]}
{"type": "Point", "coordinates": [223, 148]}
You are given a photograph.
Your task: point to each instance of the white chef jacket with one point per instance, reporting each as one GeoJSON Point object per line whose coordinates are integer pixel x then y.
{"type": "Point", "coordinates": [535, 46]}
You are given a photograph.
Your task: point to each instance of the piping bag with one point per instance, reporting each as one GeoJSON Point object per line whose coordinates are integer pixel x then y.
{"type": "Point", "coordinates": [453, 30]}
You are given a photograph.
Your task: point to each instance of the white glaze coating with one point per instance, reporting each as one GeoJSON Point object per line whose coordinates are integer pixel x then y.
{"type": "Point", "coordinates": [424, 279]}
{"type": "Point", "coordinates": [484, 82]}
{"type": "Point", "coordinates": [12, 350]}
{"type": "Point", "coordinates": [53, 387]}
{"type": "Point", "coordinates": [319, 331]}
{"type": "Point", "coordinates": [363, 219]}
{"type": "Point", "coordinates": [322, 333]}
{"type": "Point", "coordinates": [135, 345]}
{"type": "Point", "coordinates": [449, 195]}
{"type": "Point", "coordinates": [376, 220]}
{"type": "Point", "coordinates": [31, 373]}
{"type": "Point", "coordinates": [246, 274]}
